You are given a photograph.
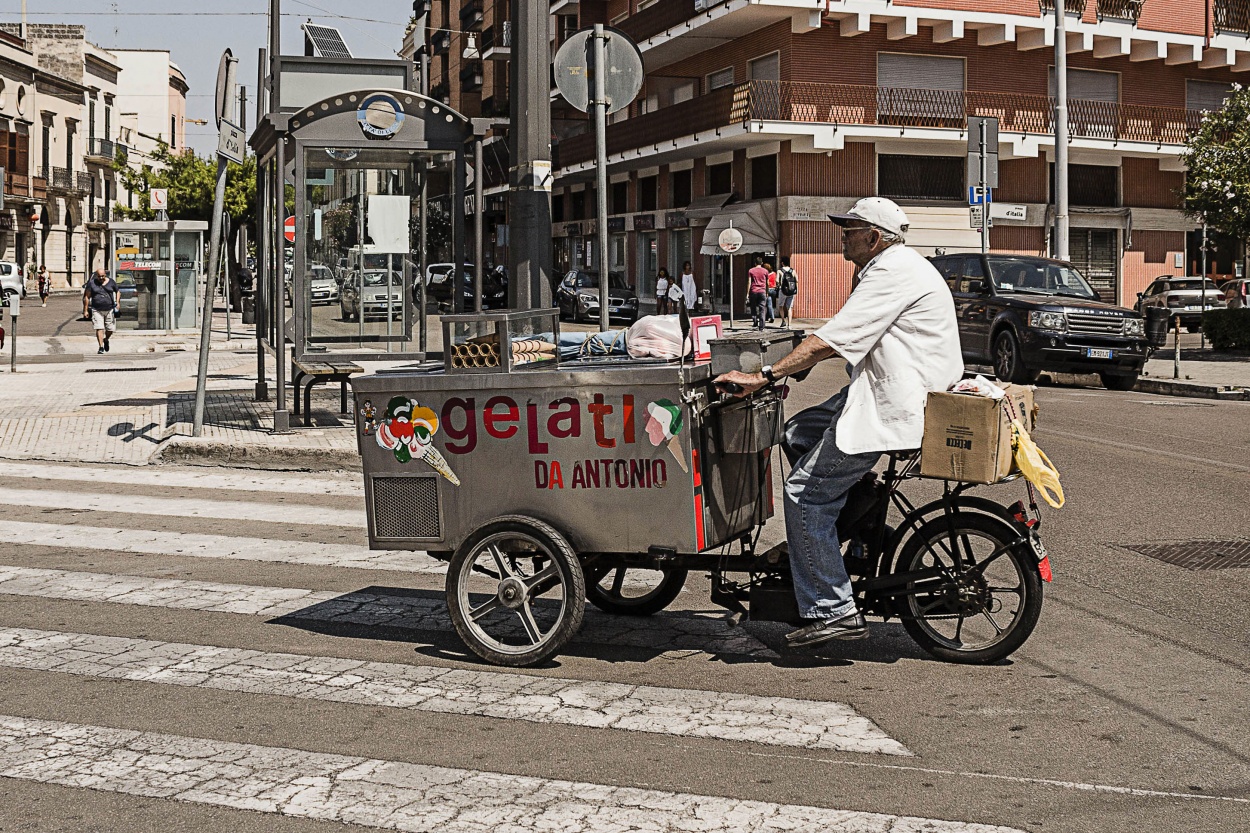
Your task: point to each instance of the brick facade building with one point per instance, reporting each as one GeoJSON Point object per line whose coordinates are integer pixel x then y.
{"type": "Point", "coordinates": [779, 113]}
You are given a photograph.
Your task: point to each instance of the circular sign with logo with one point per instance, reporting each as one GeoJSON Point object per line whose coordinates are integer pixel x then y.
{"type": "Point", "coordinates": [730, 240]}
{"type": "Point", "coordinates": [380, 116]}
{"type": "Point", "coordinates": [288, 229]}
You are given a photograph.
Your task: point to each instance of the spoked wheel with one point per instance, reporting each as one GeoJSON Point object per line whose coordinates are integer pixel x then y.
{"type": "Point", "coordinates": [980, 609]}
{"type": "Point", "coordinates": [515, 591]}
{"type": "Point", "coordinates": [633, 591]}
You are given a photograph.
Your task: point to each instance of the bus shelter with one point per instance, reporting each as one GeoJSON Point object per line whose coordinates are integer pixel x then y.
{"type": "Point", "coordinates": [359, 193]}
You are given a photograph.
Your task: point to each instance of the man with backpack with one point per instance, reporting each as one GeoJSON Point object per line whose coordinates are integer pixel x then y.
{"type": "Point", "coordinates": [787, 288]}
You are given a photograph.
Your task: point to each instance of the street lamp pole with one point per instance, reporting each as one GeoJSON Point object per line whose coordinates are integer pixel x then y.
{"type": "Point", "coordinates": [529, 136]}
{"type": "Point", "coordinates": [1060, 248]}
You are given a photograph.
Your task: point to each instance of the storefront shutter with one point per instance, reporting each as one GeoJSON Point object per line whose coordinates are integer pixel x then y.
{"type": "Point", "coordinates": [919, 72]}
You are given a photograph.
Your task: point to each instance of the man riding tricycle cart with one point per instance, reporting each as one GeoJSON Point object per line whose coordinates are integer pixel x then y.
{"type": "Point", "coordinates": [547, 482]}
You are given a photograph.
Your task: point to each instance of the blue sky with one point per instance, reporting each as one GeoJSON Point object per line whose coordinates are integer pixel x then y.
{"type": "Point", "coordinates": [196, 32]}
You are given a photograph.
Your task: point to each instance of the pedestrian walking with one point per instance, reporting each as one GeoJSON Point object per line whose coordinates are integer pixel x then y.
{"type": "Point", "coordinates": [662, 283]}
{"type": "Point", "coordinates": [45, 285]}
{"type": "Point", "coordinates": [689, 290]}
{"type": "Point", "coordinates": [757, 292]}
{"type": "Point", "coordinates": [787, 289]}
{"type": "Point", "coordinates": [101, 300]}
{"type": "Point", "coordinates": [899, 334]}
{"type": "Point", "coordinates": [772, 291]}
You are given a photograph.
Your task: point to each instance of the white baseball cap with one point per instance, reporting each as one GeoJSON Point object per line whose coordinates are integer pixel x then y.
{"type": "Point", "coordinates": [878, 211]}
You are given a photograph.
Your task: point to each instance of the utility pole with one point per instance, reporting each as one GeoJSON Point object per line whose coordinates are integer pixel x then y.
{"type": "Point", "coordinates": [421, 11]}
{"type": "Point", "coordinates": [600, 102]}
{"type": "Point", "coordinates": [529, 180]}
{"type": "Point", "coordinates": [1060, 248]}
{"type": "Point", "coordinates": [985, 191]}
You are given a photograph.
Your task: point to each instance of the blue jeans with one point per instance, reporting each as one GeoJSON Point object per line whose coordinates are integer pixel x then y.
{"type": "Point", "coordinates": [815, 493]}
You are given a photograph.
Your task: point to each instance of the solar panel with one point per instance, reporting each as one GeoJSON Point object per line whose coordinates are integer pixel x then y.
{"type": "Point", "coordinates": [326, 40]}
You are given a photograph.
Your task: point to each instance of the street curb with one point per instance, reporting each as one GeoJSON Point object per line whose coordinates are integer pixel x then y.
{"type": "Point", "coordinates": [1161, 387]}
{"type": "Point", "coordinates": [192, 451]}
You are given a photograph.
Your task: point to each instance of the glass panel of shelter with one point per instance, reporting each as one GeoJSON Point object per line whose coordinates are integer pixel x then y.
{"type": "Point", "coordinates": [361, 228]}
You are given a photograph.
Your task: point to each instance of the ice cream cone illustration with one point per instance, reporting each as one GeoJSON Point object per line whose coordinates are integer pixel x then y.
{"type": "Point", "coordinates": [408, 430]}
{"type": "Point", "coordinates": [663, 425]}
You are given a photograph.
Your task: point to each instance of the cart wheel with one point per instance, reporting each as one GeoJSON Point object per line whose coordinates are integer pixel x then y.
{"type": "Point", "coordinates": [606, 589]}
{"type": "Point", "coordinates": [515, 591]}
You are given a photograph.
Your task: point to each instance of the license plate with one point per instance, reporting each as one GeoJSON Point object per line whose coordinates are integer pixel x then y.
{"type": "Point", "coordinates": [1035, 542]}
{"type": "Point", "coordinates": [1097, 353]}
{"type": "Point", "coordinates": [614, 309]}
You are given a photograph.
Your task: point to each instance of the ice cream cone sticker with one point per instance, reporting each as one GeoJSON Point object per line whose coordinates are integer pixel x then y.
{"type": "Point", "coordinates": [663, 425]}
{"type": "Point", "coordinates": [408, 430]}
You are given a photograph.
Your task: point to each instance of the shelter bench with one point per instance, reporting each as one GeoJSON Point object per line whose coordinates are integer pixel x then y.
{"type": "Point", "coordinates": [321, 371]}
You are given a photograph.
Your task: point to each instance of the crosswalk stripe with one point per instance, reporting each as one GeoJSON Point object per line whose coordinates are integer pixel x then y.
{"type": "Point", "coordinates": [668, 631]}
{"type": "Point", "coordinates": [328, 483]}
{"type": "Point", "coordinates": [198, 545]}
{"type": "Point", "coordinates": [231, 510]}
{"type": "Point", "coordinates": [395, 795]}
{"type": "Point", "coordinates": [776, 721]}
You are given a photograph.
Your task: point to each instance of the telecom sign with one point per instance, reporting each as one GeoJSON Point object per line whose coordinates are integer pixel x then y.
{"type": "Point", "coordinates": [158, 198]}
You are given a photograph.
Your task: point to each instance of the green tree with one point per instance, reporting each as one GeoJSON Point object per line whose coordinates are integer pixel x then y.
{"type": "Point", "coordinates": [190, 180]}
{"type": "Point", "coordinates": [1217, 187]}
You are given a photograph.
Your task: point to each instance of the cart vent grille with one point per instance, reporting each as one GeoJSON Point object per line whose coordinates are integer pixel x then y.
{"type": "Point", "coordinates": [406, 507]}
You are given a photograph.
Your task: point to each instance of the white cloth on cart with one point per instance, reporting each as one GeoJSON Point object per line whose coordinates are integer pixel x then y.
{"type": "Point", "coordinates": [656, 337]}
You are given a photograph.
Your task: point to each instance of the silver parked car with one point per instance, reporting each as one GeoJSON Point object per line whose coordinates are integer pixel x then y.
{"type": "Point", "coordinates": [11, 282]}
{"type": "Point", "coordinates": [1184, 297]}
{"type": "Point", "coordinates": [372, 297]}
{"type": "Point", "coordinates": [322, 285]}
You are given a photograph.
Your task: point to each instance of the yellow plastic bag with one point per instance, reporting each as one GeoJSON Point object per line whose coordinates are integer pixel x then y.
{"type": "Point", "coordinates": [1035, 465]}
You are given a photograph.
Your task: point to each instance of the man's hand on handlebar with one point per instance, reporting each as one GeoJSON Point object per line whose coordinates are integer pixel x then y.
{"type": "Point", "coordinates": [738, 383]}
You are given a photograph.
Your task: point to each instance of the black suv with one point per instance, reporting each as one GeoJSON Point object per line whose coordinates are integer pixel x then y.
{"type": "Point", "coordinates": [1026, 314]}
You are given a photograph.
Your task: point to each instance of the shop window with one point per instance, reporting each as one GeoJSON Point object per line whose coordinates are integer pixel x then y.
{"type": "Point", "coordinates": [648, 193]}
{"type": "Point", "coordinates": [681, 189]}
{"type": "Point", "coordinates": [764, 177]}
{"type": "Point", "coordinates": [920, 177]}
{"type": "Point", "coordinates": [720, 178]}
{"type": "Point", "coordinates": [1091, 185]}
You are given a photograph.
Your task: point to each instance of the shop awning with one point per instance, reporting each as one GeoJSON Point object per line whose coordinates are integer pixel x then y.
{"type": "Point", "coordinates": [756, 221]}
{"type": "Point", "coordinates": [709, 206]}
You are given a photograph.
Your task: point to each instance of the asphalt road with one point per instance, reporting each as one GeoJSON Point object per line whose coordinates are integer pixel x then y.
{"type": "Point", "coordinates": [1124, 712]}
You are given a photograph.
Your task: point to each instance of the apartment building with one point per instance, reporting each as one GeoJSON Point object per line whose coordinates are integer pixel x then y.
{"type": "Point", "coordinates": [773, 114]}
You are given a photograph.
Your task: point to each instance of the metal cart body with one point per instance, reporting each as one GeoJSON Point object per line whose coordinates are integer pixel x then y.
{"type": "Point", "coordinates": [581, 447]}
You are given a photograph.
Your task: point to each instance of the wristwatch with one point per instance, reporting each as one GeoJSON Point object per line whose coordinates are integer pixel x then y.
{"type": "Point", "coordinates": [767, 372]}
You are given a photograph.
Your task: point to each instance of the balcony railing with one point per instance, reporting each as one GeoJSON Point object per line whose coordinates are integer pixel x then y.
{"type": "Point", "coordinates": [440, 41]}
{"type": "Point", "coordinates": [497, 40]}
{"type": "Point", "coordinates": [1233, 16]}
{"type": "Point", "coordinates": [661, 17]}
{"type": "Point", "coordinates": [795, 101]}
{"type": "Point", "coordinates": [496, 106]}
{"type": "Point", "coordinates": [83, 181]}
{"type": "Point", "coordinates": [1120, 9]}
{"type": "Point", "coordinates": [100, 214]}
{"type": "Point", "coordinates": [58, 179]}
{"type": "Point", "coordinates": [101, 149]}
{"type": "Point", "coordinates": [1072, 6]}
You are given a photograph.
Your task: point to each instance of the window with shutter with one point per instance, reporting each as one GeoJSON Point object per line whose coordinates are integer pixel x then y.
{"type": "Point", "coordinates": [1090, 85]}
{"type": "Point", "coordinates": [923, 90]}
{"type": "Point", "coordinates": [721, 78]}
{"type": "Point", "coordinates": [1093, 99]}
{"type": "Point", "coordinates": [1206, 95]}
{"type": "Point", "coordinates": [767, 68]}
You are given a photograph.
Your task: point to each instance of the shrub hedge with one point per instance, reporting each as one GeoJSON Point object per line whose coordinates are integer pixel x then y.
{"type": "Point", "coordinates": [1227, 329]}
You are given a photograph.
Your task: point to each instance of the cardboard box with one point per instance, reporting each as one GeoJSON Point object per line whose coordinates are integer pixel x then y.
{"type": "Point", "coordinates": [968, 437]}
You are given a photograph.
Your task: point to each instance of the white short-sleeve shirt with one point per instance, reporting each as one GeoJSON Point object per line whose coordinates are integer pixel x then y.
{"type": "Point", "coordinates": [899, 333]}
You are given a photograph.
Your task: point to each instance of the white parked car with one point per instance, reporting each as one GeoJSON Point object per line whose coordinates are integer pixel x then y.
{"type": "Point", "coordinates": [11, 282]}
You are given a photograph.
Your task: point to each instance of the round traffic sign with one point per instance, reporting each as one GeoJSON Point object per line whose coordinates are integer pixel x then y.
{"type": "Point", "coordinates": [622, 78]}
{"type": "Point", "coordinates": [730, 240]}
{"type": "Point", "coordinates": [288, 229]}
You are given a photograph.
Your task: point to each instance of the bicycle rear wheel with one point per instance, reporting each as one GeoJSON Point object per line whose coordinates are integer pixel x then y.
{"type": "Point", "coordinates": [976, 610]}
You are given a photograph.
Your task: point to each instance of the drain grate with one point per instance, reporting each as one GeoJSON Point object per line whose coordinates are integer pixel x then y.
{"type": "Point", "coordinates": [1199, 555]}
{"type": "Point", "coordinates": [116, 369]}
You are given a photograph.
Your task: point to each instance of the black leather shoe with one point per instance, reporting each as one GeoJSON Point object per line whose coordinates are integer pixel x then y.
{"type": "Point", "coordinates": [852, 626]}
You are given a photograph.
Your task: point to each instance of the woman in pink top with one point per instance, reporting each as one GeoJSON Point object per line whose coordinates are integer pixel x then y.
{"type": "Point", "coordinates": [758, 292]}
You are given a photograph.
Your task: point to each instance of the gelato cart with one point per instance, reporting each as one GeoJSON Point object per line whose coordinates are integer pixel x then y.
{"type": "Point", "coordinates": [546, 480]}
